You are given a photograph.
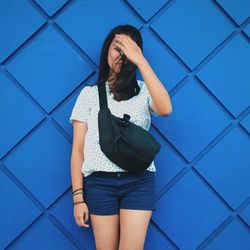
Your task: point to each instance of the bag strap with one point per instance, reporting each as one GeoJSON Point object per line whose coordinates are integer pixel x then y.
{"type": "Point", "coordinates": [102, 95]}
{"type": "Point", "coordinates": [104, 103]}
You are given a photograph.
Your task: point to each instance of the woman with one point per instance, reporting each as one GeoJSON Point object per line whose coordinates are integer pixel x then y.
{"type": "Point", "coordinates": [120, 204]}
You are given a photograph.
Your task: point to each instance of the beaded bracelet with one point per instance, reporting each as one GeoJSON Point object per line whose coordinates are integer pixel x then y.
{"type": "Point", "coordinates": [77, 190]}
{"type": "Point", "coordinates": [78, 193]}
{"type": "Point", "coordinates": [77, 202]}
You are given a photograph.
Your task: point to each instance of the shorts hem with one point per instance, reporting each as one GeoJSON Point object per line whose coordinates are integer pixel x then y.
{"type": "Point", "coordinates": [103, 213]}
{"type": "Point", "coordinates": [138, 208]}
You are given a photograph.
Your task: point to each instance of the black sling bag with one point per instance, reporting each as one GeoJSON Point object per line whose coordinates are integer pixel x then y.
{"type": "Point", "coordinates": [126, 144]}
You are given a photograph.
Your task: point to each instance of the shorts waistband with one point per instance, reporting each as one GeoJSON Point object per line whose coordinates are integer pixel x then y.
{"type": "Point", "coordinates": [115, 174]}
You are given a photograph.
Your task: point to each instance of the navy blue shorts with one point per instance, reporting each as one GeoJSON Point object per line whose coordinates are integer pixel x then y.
{"type": "Point", "coordinates": [106, 192]}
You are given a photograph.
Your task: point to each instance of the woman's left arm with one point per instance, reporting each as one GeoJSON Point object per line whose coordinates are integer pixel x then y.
{"type": "Point", "coordinates": [161, 103]}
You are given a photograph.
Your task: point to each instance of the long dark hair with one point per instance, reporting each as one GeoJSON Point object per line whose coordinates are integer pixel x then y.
{"type": "Point", "coordinates": [125, 84]}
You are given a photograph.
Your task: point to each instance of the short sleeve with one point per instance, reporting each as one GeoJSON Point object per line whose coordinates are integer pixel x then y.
{"type": "Point", "coordinates": [81, 109]}
{"type": "Point", "coordinates": [149, 99]}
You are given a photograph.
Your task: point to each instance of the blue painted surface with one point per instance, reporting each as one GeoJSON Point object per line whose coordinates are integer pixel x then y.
{"type": "Point", "coordinates": [200, 50]}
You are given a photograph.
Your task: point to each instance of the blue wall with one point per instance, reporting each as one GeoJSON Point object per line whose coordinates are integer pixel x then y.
{"type": "Point", "coordinates": [200, 50]}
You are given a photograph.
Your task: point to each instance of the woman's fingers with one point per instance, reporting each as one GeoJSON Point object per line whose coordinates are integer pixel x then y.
{"type": "Point", "coordinates": [82, 222]}
{"type": "Point", "coordinates": [120, 45]}
{"type": "Point", "coordinates": [124, 40]}
{"type": "Point", "coordinates": [86, 216]}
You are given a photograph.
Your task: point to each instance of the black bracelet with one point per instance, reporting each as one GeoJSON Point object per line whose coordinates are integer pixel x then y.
{"type": "Point", "coordinates": [77, 202]}
{"type": "Point", "coordinates": [77, 190]}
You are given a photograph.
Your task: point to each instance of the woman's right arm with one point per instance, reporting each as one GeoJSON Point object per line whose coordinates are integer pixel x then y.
{"type": "Point", "coordinates": [77, 157]}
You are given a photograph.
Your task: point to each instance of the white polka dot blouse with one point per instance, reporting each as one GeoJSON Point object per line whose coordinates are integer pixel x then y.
{"type": "Point", "coordinates": [86, 110]}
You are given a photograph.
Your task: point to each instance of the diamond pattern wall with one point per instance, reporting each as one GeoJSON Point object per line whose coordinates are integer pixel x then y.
{"type": "Point", "coordinates": [49, 50]}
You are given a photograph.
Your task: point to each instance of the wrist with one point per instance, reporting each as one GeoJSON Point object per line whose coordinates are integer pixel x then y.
{"type": "Point", "coordinates": [78, 197]}
{"type": "Point", "coordinates": [141, 62]}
